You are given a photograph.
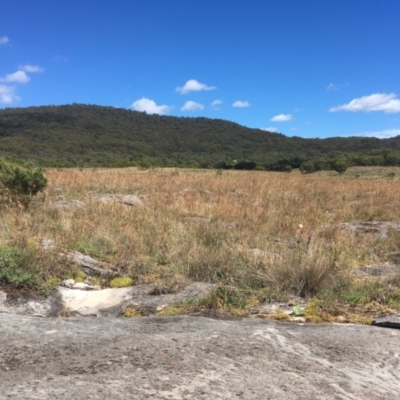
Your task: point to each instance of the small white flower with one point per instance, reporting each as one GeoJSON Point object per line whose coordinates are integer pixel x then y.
{"type": "Point", "coordinates": [300, 226]}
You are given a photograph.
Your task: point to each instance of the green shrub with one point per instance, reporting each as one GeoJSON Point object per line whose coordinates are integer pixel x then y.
{"type": "Point", "coordinates": [21, 183]}
{"type": "Point", "coordinates": [13, 269]}
{"type": "Point", "coordinates": [288, 168]}
{"type": "Point", "coordinates": [121, 282]}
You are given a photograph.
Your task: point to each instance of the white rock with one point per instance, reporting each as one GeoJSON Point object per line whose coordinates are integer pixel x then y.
{"type": "Point", "coordinates": [47, 244]}
{"type": "Point", "coordinates": [81, 286]}
{"type": "Point", "coordinates": [69, 283]}
{"type": "Point", "coordinates": [85, 286]}
{"type": "Point", "coordinates": [90, 303]}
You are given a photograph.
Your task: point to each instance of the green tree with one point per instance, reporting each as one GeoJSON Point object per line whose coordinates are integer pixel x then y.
{"type": "Point", "coordinates": [307, 167]}
{"type": "Point", "coordinates": [340, 165]}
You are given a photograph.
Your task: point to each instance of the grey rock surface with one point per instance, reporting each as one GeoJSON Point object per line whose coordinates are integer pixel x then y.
{"type": "Point", "coordinates": [34, 307]}
{"type": "Point", "coordinates": [377, 228]}
{"type": "Point", "coordinates": [388, 321]}
{"type": "Point", "coordinates": [194, 358]}
{"type": "Point", "coordinates": [89, 265]}
{"type": "Point", "coordinates": [125, 199]}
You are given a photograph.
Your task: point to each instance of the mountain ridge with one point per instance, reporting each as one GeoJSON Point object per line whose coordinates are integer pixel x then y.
{"type": "Point", "coordinates": [103, 135]}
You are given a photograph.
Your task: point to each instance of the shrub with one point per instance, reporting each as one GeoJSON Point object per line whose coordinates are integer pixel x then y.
{"type": "Point", "coordinates": [13, 269]}
{"type": "Point", "coordinates": [21, 183]}
{"type": "Point", "coordinates": [287, 168]}
{"type": "Point", "coordinates": [121, 282]}
{"type": "Point", "coordinates": [131, 312]}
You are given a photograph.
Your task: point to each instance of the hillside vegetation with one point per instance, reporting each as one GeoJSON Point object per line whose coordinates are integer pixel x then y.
{"type": "Point", "coordinates": [88, 135]}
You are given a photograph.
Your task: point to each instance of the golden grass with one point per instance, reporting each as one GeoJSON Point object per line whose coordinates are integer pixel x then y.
{"type": "Point", "coordinates": [199, 225]}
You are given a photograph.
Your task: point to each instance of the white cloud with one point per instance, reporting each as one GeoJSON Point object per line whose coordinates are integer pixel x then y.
{"type": "Point", "coordinates": [31, 68]}
{"type": "Point", "coordinates": [7, 94]}
{"type": "Point", "coordinates": [331, 87]}
{"type": "Point", "coordinates": [270, 129]}
{"type": "Point", "coordinates": [386, 102]}
{"type": "Point", "coordinates": [381, 134]}
{"type": "Point", "coordinates": [150, 106]}
{"type": "Point", "coordinates": [4, 40]}
{"type": "Point", "coordinates": [191, 106]}
{"type": "Point", "coordinates": [193, 86]}
{"type": "Point", "coordinates": [241, 104]}
{"type": "Point", "coordinates": [216, 103]}
{"type": "Point", "coordinates": [281, 118]}
{"type": "Point", "coordinates": [18, 77]}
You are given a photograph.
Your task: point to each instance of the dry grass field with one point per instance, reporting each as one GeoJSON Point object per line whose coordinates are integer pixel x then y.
{"type": "Point", "coordinates": [269, 234]}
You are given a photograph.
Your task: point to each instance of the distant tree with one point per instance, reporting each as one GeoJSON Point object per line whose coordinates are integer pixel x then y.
{"type": "Point", "coordinates": [340, 165]}
{"type": "Point", "coordinates": [307, 167]}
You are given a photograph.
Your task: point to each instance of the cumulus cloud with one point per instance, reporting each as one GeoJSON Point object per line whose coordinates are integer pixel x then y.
{"type": "Point", "coordinates": [193, 86]}
{"type": "Point", "coordinates": [281, 118]}
{"type": "Point", "coordinates": [386, 102]}
{"type": "Point", "coordinates": [7, 94]}
{"type": "Point", "coordinates": [4, 40]}
{"type": "Point", "coordinates": [241, 104]}
{"type": "Point", "coordinates": [270, 129]}
{"type": "Point", "coordinates": [216, 103]}
{"type": "Point", "coordinates": [191, 106]}
{"type": "Point", "coordinates": [20, 76]}
{"type": "Point", "coordinates": [381, 134]}
{"type": "Point", "coordinates": [31, 68]}
{"type": "Point", "coordinates": [17, 77]}
{"type": "Point", "coordinates": [150, 106]}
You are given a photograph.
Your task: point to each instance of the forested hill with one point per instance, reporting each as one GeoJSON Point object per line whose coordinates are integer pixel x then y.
{"type": "Point", "coordinates": [94, 135]}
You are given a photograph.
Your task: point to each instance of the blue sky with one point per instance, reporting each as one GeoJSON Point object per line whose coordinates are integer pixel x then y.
{"type": "Point", "coordinates": [309, 68]}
